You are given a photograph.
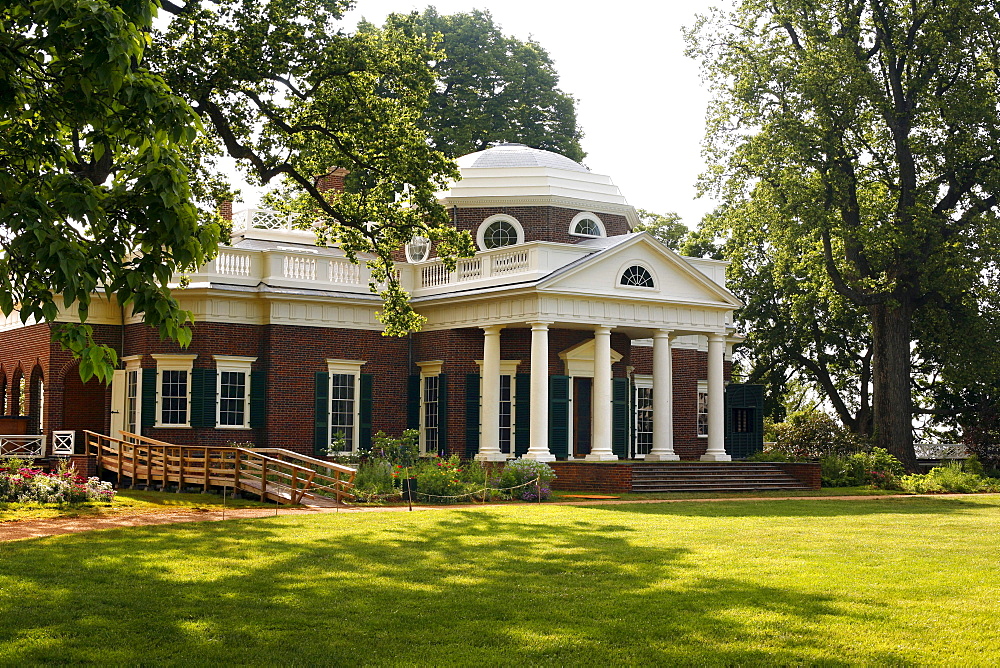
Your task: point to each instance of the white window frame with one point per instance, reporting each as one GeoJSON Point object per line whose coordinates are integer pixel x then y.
{"type": "Point", "coordinates": [232, 364]}
{"type": "Point", "coordinates": [133, 365]}
{"type": "Point", "coordinates": [410, 256]}
{"type": "Point", "coordinates": [172, 363]}
{"type": "Point", "coordinates": [481, 232]}
{"type": "Point", "coordinates": [702, 389]}
{"type": "Point", "coordinates": [429, 369]}
{"type": "Point", "coordinates": [582, 216]}
{"type": "Point", "coordinates": [507, 368]}
{"type": "Point", "coordinates": [641, 382]}
{"type": "Point", "coordinates": [344, 368]}
{"type": "Point", "coordinates": [637, 263]}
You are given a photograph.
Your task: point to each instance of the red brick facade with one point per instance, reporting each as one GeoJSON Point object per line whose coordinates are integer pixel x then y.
{"type": "Point", "coordinates": [541, 223]}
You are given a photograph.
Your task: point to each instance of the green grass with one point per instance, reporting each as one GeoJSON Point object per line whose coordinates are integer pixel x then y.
{"type": "Point", "coordinates": [825, 491]}
{"type": "Point", "coordinates": [126, 501]}
{"type": "Point", "coordinates": [881, 581]}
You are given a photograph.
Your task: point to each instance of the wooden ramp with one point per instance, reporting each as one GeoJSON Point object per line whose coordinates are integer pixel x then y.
{"type": "Point", "coordinates": [278, 475]}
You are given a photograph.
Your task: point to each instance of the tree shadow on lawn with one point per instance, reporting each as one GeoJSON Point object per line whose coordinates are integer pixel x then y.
{"type": "Point", "coordinates": [465, 587]}
{"type": "Point", "coordinates": [915, 505]}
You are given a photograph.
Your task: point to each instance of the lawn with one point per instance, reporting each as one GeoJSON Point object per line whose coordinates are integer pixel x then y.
{"type": "Point", "coordinates": [126, 501]}
{"type": "Point", "coordinates": [881, 581]}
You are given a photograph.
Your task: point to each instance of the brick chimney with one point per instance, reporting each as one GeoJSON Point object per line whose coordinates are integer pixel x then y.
{"type": "Point", "coordinates": [332, 180]}
{"type": "Point", "coordinates": [226, 210]}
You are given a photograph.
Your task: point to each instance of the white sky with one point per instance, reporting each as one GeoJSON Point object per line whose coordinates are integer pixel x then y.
{"type": "Point", "coordinates": [639, 99]}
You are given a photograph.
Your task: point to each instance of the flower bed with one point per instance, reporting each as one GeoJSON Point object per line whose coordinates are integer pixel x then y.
{"type": "Point", "coordinates": [20, 482]}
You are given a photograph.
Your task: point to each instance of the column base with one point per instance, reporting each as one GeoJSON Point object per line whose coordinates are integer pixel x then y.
{"type": "Point", "coordinates": [657, 457]}
{"type": "Point", "coordinates": [601, 457]}
{"type": "Point", "coordinates": [716, 457]}
{"type": "Point", "coordinates": [539, 457]}
{"type": "Point", "coordinates": [490, 457]}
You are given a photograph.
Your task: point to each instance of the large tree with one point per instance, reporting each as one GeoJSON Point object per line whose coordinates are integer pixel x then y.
{"type": "Point", "coordinates": [111, 124]}
{"type": "Point", "coordinates": [490, 87]}
{"type": "Point", "coordinates": [865, 133]}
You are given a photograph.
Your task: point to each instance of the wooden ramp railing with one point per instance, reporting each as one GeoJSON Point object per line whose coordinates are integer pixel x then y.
{"type": "Point", "coordinates": [277, 475]}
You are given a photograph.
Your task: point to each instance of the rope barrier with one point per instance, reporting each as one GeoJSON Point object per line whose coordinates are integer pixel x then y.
{"type": "Point", "coordinates": [486, 489]}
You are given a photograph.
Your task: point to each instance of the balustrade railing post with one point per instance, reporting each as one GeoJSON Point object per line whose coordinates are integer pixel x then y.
{"type": "Point", "coordinates": [263, 478]}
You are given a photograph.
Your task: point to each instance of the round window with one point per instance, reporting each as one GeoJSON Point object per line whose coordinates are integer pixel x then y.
{"type": "Point", "coordinates": [418, 249]}
{"type": "Point", "coordinates": [500, 233]}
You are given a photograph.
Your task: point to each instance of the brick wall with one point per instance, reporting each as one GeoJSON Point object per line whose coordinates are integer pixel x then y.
{"type": "Point", "coordinates": [808, 473]}
{"type": "Point", "coordinates": [592, 477]}
{"type": "Point", "coordinates": [540, 223]}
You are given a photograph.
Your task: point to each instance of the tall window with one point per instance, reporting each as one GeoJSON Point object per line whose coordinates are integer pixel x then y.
{"type": "Point", "coordinates": [342, 411]}
{"type": "Point", "coordinates": [233, 390]}
{"type": "Point", "coordinates": [344, 404]}
{"type": "Point", "coordinates": [22, 396]}
{"type": "Point", "coordinates": [506, 414]}
{"type": "Point", "coordinates": [3, 395]}
{"type": "Point", "coordinates": [173, 390]}
{"type": "Point", "coordinates": [174, 397]}
{"type": "Point", "coordinates": [40, 402]}
{"type": "Point", "coordinates": [643, 417]}
{"type": "Point", "coordinates": [131, 401]}
{"type": "Point", "coordinates": [702, 408]}
{"type": "Point", "coordinates": [431, 414]}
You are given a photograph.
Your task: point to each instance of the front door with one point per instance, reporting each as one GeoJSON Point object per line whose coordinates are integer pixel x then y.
{"type": "Point", "coordinates": [583, 402]}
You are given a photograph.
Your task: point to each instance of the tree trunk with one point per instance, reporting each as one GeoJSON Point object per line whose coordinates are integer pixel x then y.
{"type": "Point", "coordinates": [892, 400]}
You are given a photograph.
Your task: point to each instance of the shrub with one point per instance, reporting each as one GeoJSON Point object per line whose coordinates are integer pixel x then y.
{"type": "Point", "coordinates": [403, 451]}
{"type": "Point", "coordinates": [950, 478]}
{"type": "Point", "coordinates": [812, 434]}
{"type": "Point", "coordinates": [876, 468]}
{"type": "Point", "coordinates": [440, 479]}
{"type": "Point", "coordinates": [522, 471]}
{"type": "Point", "coordinates": [374, 478]}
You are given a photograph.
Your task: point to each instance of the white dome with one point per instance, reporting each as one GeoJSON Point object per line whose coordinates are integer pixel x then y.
{"type": "Point", "coordinates": [518, 155]}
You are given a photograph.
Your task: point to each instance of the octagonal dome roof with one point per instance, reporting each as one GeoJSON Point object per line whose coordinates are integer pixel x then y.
{"type": "Point", "coordinates": [518, 155]}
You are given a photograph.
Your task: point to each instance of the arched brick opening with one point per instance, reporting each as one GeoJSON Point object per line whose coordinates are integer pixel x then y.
{"type": "Point", "coordinates": [3, 392]}
{"type": "Point", "coordinates": [84, 405]}
{"type": "Point", "coordinates": [18, 394]}
{"type": "Point", "coordinates": [36, 401]}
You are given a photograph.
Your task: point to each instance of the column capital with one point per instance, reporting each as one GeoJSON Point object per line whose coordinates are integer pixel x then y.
{"type": "Point", "coordinates": [540, 324]}
{"type": "Point", "coordinates": [492, 329]}
{"type": "Point", "coordinates": [716, 337]}
{"type": "Point", "coordinates": [663, 334]}
{"type": "Point", "coordinates": [603, 329]}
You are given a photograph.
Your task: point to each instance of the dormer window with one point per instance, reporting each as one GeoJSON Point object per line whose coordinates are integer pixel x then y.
{"type": "Point", "coordinates": [637, 276]}
{"type": "Point", "coordinates": [499, 231]}
{"type": "Point", "coordinates": [418, 249]}
{"type": "Point", "coordinates": [586, 224]}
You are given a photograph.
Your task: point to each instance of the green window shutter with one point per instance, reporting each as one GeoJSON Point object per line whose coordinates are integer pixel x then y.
{"type": "Point", "coordinates": [559, 416]}
{"type": "Point", "coordinates": [202, 398]}
{"type": "Point", "coordinates": [471, 415]}
{"type": "Point", "coordinates": [149, 390]}
{"type": "Point", "coordinates": [748, 398]}
{"type": "Point", "coordinates": [443, 414]}
{"type": "Point", "coordinates": [413, 402]}
{"type": "Point", "coordinates": [522, 413]}
{"type": "Point", "coordinates": [619, 417]}
{"type": "Point", "coordinates": [365, 413]}
{"type": "Point", "coordinates": [321, 432]}
{"type": "Point", "coordinates": [258, 398]}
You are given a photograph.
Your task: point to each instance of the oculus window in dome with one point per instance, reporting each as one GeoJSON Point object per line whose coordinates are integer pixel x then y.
{"type": "Point", "coordinates": [586, 224]}
{"type": "Point", "coordinates": [499, 231]}
{"type": "Point", "coordinates": [418, 249]}
{"type": "Point", "coordinates": [637, 276]}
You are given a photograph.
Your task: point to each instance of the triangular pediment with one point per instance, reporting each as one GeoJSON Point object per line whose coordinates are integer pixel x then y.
{"type": "Point", "coordinates": [674, 279]}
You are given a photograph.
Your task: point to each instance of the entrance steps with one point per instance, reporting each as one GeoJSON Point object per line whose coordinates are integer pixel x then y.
{"type": "Point", "coordinates": [712, 477]}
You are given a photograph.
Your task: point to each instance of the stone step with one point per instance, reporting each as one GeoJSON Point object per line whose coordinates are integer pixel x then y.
{"type": "Point", "coordinates": [712, 477]}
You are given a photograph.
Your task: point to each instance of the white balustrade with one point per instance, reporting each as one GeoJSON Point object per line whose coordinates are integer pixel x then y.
{"type": "Point", "coordinates": [228, 263]}
{"type": "Point", "coordinates": [470, 269]}
{"type": "Point", "coordinates": [27, 445]}
{"type": "Point", "coordinates": [63, 443]}
{"type": "Point", "coordinates": [299, 268]}
{"type": "Point", "coordinates": [344, 272]}
{"type": "Point", "coordinates": [434, 275]}
{"type": "Point", "coordinates": [266, 219]}
{"type": "Point", "coordinates": [510, 262]}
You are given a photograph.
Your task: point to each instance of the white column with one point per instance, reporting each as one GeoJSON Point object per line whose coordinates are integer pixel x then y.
{"type": "Point", "coordinates": [489, 412]}
{"type": "Point", "coordinates": [663, 399]}
{"type": "Point", "coordinates": [600, 449]}
{"type": "Point", "coordinates": [716, 401]}
{"type": "Point", "coordinates": [539, 445]}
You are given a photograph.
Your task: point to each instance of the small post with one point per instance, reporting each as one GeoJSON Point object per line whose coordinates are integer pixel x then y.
{"type": "Point", "coordinates": [223, 502]}
{"type": "Point", "coordinates": [538, 488]}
